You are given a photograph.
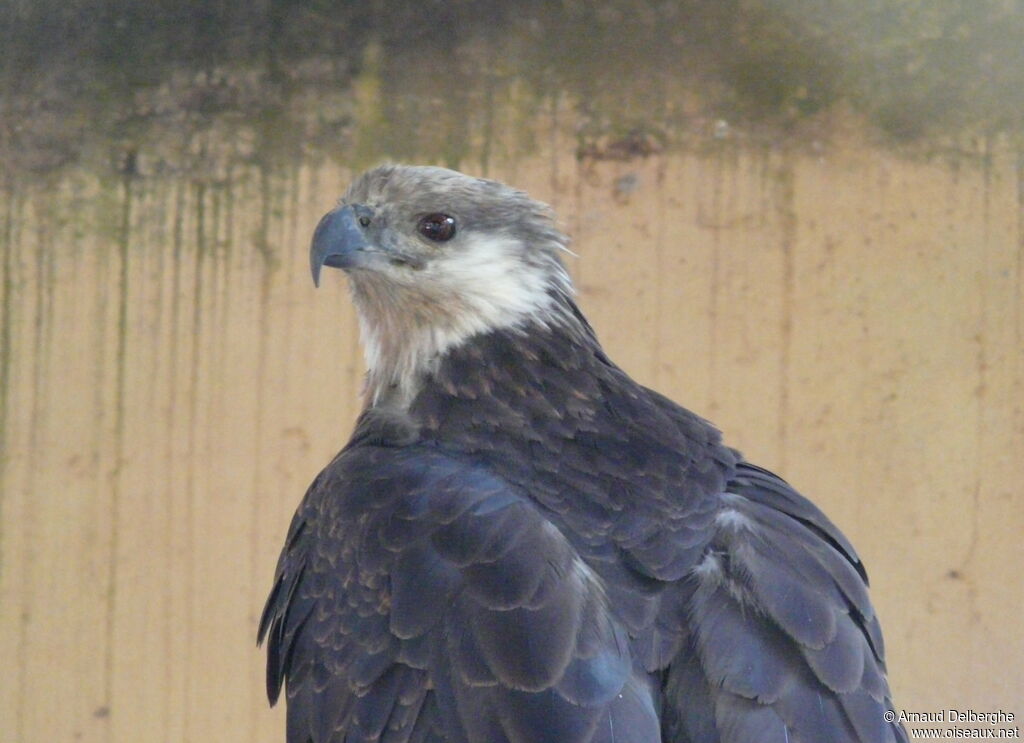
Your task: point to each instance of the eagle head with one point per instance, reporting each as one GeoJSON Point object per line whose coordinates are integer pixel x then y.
{"type": "Point", "coordinates": [435, 257]}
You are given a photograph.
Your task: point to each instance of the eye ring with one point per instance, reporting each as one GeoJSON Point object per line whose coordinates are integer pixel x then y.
{"type": "Point", "coordinates": [437, 227]}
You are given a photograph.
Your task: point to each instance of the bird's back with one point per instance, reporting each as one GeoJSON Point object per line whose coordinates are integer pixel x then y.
{"type": "Point", "coordinates": [541, 549]}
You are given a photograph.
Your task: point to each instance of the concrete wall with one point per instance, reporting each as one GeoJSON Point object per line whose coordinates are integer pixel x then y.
{"type": "Point", "coordinates": [172, 382]}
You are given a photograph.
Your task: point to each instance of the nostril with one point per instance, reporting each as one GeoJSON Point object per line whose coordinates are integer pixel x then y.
{"type": "Point", "coordinates": [364, 221]}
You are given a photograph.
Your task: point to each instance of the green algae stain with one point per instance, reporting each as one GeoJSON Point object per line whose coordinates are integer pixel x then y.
{"type": "Point", "coordinates": [372, 128]}
{"type": "Point", "coordinates": [306, 79]}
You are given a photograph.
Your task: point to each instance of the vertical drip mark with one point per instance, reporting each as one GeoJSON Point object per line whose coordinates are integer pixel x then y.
{"type": "Point", "coordinates": [263, 236]}
{"type": "Point", "coordinates": [219, 302]}
{"type": "Point", "coordinates": [114, 475]}
{"type": "Point", "coordinates": [154, 279]}
{"type": "Point", "coordinates": [6, 353]}
{"type": "Point", "coordinates": [229, 216]}
{"type": "Point", "coordinates": [1018, 300]}
{"type": "Point", "coordinates": [177, 238]}
{"type": "Point", "coordinates": [197, 328]}
{"type": "Point", "coordinates": [785, 209]}
{"type": "Point", "coordinates": [11, 236]}
{"type": "Point", "coordinates": [48, 271]}
{"type": "Point", "coordinates": [981, 367]}
{"type": "Point", "coordinates": [254, 566]}
{"type": "Point", "coordinates": [864, 471]}
{"type": "Point", "coordinates": [215, 351]}
{"type": "Point", "coordinates": [553, 145]}
{"type": "Point", "coordinates": [577, 224]}
{"type": "Point", "coordinates": [37, 406]}
{"type": "Point", "coordinates": [224, 288]}
{"type": "Point", "coordinates": [152, 207]}
{"type": "Point", "coordinates": [286, 211]}
{"type": "Point", "coordinates": [193, 415]}
{"type": "Point", "coordinates": [227, 253]}
{"type": "Point", "coordinates": [102, 417]}
{"type": "Point", "coordinates": [262, 341]}
{"type": "Point", "coordinates": [716, 277]}
{"type": "Point", "coordinates": [660, 267]}
{"type": "Point", "coordinates": [488, 123]}
{"type": "Point", "coordinates": [278, 212]}
{"type": "Point", "coordinates": [292, 211]}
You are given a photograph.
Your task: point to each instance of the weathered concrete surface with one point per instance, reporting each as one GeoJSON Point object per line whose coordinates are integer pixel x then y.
{"type": "Point", "coordinates": [171, 382]}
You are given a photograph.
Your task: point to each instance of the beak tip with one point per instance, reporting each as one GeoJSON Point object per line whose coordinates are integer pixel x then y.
{"type": "Point", "coordinates": [336, 239]}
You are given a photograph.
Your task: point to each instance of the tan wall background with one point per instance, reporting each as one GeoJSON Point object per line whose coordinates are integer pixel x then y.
{"type": "Point", "coordinates": [850, 319]}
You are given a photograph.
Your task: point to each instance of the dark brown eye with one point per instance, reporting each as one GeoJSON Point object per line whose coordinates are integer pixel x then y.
{"type": "Point", "coordinates": [437, 227]}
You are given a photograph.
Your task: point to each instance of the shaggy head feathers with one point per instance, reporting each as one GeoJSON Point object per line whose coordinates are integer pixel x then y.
{"type": "Point", "coordinates": [501, 269]}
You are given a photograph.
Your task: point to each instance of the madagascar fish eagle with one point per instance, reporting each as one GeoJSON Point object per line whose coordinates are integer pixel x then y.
{"type": "Point", "coordinates": [520, 543]}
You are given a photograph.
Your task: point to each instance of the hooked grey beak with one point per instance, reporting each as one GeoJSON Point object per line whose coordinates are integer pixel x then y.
{"type": "Point", "coordinates": [336, 241]}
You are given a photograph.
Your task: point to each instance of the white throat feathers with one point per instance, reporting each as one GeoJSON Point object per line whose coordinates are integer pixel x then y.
{"type": "Point", "coordinates": [407, 326]}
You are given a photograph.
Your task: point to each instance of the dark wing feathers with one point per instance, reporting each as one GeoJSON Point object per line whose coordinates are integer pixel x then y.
{"type": "Point", "coordinates": [761, 486]}
{"type": "Point", "coordinates": [448, 602]}
{"type": "Point", "coordinates": [739, 719]}
{"type": "Point", "coordinates": [783, 639]}
{"type": "Point", "coordinates": [415, 587]}
{"type": "Point", "coordinates": [600, 569]}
